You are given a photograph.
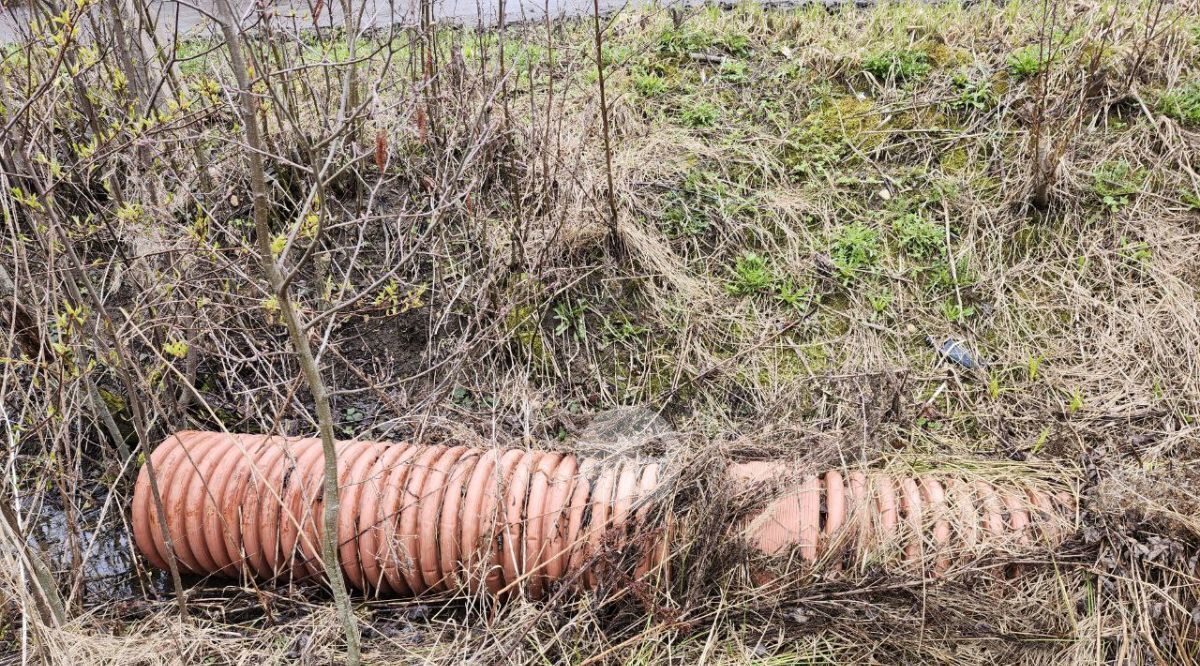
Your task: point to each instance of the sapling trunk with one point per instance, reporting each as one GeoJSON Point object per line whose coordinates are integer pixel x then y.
{"type": "Point", "coordinates": [296, 332]}
{"type": "Point", "coordinates": [614, 236]}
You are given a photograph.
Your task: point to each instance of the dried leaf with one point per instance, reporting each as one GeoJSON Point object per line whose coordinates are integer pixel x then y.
{"type": "Point", "coordinates": [422, 125]}
{"type": "Point", "coordinates": [381, 149]}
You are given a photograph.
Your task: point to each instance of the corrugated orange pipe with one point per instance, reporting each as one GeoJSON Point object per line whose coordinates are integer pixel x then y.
{"type": "Point", "coordinates": [417, 519]}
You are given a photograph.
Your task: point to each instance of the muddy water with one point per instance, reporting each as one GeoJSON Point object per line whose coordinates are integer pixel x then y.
{"type": "Point", "coordinates": [100, 542]}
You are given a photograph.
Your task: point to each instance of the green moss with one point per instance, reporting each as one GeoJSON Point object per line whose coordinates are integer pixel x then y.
{"type": "Point", "coordinates": [817, 356]}
{"type": "Point", "coordinates": [954, 160]}
{"type": "Point", "coordinates": [523, 321]}
{"type": "Point", "coordinates": [787, 365]}
{"type": "Point", "coordinates": [821, 144]}
{"type": "Point", "coordinates": [116, 404]}
{"type": "Point", "coordinates": [985, 186]}
{"type": "Point", "coordinates": [945, 55]}
{"type": "Point", "coordinates": [844, 118]}
{"type": "Point", "coordinates": [635, 383]}
{"type": "Point", "coordinates": [834, 324]}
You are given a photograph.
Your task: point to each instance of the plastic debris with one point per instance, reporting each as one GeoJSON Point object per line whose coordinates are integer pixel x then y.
{"type": "Point", "coordinates": [955, 351]}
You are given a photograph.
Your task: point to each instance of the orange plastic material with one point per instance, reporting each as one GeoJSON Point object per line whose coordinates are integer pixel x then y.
{"type": "Point", "coordinates": [419, 519]}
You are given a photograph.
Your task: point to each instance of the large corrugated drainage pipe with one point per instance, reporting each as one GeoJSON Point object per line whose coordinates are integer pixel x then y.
{"type": "Point", "coordinates": [417, 519]}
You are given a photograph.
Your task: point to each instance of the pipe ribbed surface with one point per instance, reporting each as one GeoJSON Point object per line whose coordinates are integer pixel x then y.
{"type": "Point", "coordinates": [417, 519]}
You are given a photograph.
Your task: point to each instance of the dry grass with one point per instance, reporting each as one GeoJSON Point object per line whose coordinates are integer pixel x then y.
{"type": "Point", "coordinates": [804, 197]}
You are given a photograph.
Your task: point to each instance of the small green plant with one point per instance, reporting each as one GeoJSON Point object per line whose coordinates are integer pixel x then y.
{"type": "Point", "coordinates": [1136, 252]}
{"type": "Point", "coordinates": [1033, 365]}
{"type": "Point", "coordinates": [993, 387]}
{"type": "Point", "coordinates": [701, 197]}
{"type": "Point", "coordinates": [881, 300]}
{"type": "Point", "coordinates": [1115, 183]}
{"type": "Point", "coordinates": [462, 397]}
{"type": "Point", "coordinates": [734, 43]}
{"type": "Point", "coordinates": [918, 236]}
{"type": "Point", "coordinates": [928, 423]}
{"type": "Point", "coordinates": [854, 247]}
{"type": "Point", "coordinates": [1182, 103]}
{"type": "Point", "coordinates": [751, 275]}
{"type": "Point", "coordinates": [682, 219]}
{"type": "Point", "coordinates": [569, 316]}
{"type": "Point", "coordinates": [956, 313]}
{"type": "Point", "coordinates": [685, 40]}
{"type": "Point", "coordinates": [943, 278]}
{"type": "Point", "coordinates": [271, 305]}
{"type": "Point", "coordinates": [176, 348]}
{"type": "Point", "coordinates": [467, 400]}
{"type": "Point", "coordinates": [1043, 437]}
{"type": "Point", "coordinates": [620, 329]}
{"type": "Point", "coordinates": [649, 84]}
{"type": "Point", "coordinates": [128, 213]}
{"type": "Point", "coordinates": [699, 114]}
{"type": "Point", "coordinates": [611, 54]}
{"type": "Point", "coordinates": [791, 71]}
{"type": "Point", "coordinates": [972, 95]}
{"type": "Point", "coordinates": [793, 296]}
{"type": "Point", "coordinates": [388, 296]}
{"type": "Point", "coordinates": [397, 302]}
{"type": "Point", "coordinates": [351, 417]}
{"type": "Point", "coordinates": [1190, 198]}
{"type": "Point", "coordinates": [735, 71]}
{"type": "Point", "coordinates": [1076, 401]}
{"type": "Point", "coordinates": [898, 66]}
{"type": "Point", "coordinates": [1025, 63]}
{"type": "Point", "coordinates": [806, 154]}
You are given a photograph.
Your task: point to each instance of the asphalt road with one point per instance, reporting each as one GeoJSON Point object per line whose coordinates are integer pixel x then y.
{"type": "Point", "coordinates": [191, 16]}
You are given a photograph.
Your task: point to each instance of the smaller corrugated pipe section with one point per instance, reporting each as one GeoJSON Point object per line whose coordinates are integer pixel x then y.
{"type": "Point", "coordinates": [416, 519]}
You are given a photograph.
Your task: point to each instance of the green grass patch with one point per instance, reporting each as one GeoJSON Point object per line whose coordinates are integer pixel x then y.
{"type": "Point", "coordinates": [854, 247]}
{"type": "Point", "coordinates": [1181, 103]}
{"type": "Point", "coordinates": [919, 237]}
{"type": "Point", "coordinates": [1116, 183]}
{"type": "Point", "coordinates": [900, 66]}
{"type": "Point", "coordinates": [1026, 62]}
{"type": "Point", "coordinates": [699, 113]}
